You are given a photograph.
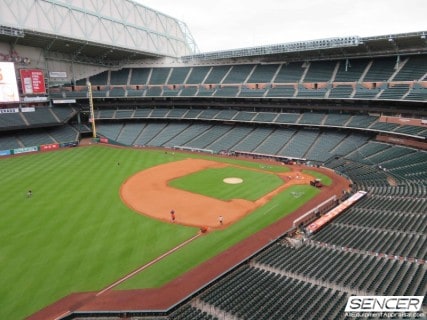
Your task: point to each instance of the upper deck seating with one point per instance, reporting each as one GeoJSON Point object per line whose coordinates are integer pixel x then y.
{"type": "Point", "coordinates": [320, 71]}
{"type": "Point", "coordinates": [197, 75]}
{"type": "Point", "coordinates": [100, 79]}
{"type": "Point", "coordinates": [119, 77]}
{"type": "Point", "coordinates": [351, 71]}
{"type": "Point", "coordinates": [178, 75]}
{"type": "Point", "coordinates": [139, 76]}
{"type": "Point", "coordinates": [159, 76]}
{"type": "Point", "coordinates": [289, 73]}
{"type": "Point", "coordinates": [414, 69]}
{"type": "Point", "coordinates": [381, 70]}
{"type": "Point", "coordinates": [238, 74]}
{"type": "Point", "coordinates": [263, 73]}
{"type": "Point", "coordinates": [217, 74]}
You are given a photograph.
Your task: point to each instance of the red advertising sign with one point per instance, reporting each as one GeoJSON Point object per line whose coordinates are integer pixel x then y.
{"type": "Point", "coordinates": [32, 81]}
{"type": "Point", "coordinates": [47, 147]}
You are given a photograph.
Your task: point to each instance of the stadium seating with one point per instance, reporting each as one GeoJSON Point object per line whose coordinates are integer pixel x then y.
{"type": "Point", "coordinates": [341, 91]}
{"type": "Point", "coordinates": [254, 293]}
{"type": "Point", "coordinates": [238, 74]}
{"type": "Point", "coordinates": [263, 73]}
{"type": "Point", "coordinates": [320, 71]}
{"type": "Point", "coordinates": [380, 70]}
{"type": "Point", "coordinates": [227, 91]}
{"type": "Point", "coordinates": [120, 77]}
{"type": "Point", "coordinates": [188, 92]}
{"type": "Point", "coordinates": [395, 92]}
{"type": "Point", "coordinates": [413, 69]}
{"type": "Point", "coordinates": [281, 91]}
{"type": "Point", "coordinates": [178, 75]}
{"type": "Point", "coordinates": [290, 73]}
{"type": "Point", "coordinates": [198, 75]}
{"type": "Point", "coordinates": [374, 247]}
{"type": "Point", "coordinates": [12, 120]}
{"type": "Point", "coordinates": [252, 140]}
{"type": "Point", "coordinates": [100, 79]}
{"type": "Point", "coordinates": [217, 74]}
{"type": "Point", "coordinates": [139, 76]}
{"type": "Point", "coordinates": [351, 71]}
{"type": "Point", "coordinates": [374, 79]}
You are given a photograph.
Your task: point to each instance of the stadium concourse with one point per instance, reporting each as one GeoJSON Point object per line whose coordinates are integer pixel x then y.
{"type": "Point", "coordinates": [352, 105]}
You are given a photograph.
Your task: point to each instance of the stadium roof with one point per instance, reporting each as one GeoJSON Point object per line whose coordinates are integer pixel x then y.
{"type": "Point", "coordinates": [108, 32]}
{"type": "Point", "coordinates": [81, 51]}
{"type": "Point", "coordinates": [321, 49]}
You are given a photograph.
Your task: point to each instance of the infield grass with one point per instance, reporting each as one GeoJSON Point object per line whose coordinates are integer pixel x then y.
{"type": "Point", "coordinates": [209, 182]}
{"type": "Point", "coordinates": [75, 234]}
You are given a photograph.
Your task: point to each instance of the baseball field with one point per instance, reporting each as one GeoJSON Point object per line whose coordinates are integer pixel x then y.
{"type": "Point", "coordinates": [81, 230]}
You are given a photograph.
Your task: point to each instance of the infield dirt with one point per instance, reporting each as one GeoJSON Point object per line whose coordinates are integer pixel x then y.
{"type": "Point", "coordinates": [148, 193]}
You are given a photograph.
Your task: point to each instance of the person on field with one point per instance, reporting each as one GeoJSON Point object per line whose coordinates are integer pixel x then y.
{"type": "Point", "coordinates": [29, 194]}
{"type": "Point", "coordinates": [221, 220]}
{"type": "Point", "coordinates": [173, 215]}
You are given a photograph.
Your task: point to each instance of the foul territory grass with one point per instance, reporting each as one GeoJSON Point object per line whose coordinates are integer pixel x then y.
{"type": "Point", "coordinates": [209, 182]}
{"type": "Point", "coordinates": [75, 234]}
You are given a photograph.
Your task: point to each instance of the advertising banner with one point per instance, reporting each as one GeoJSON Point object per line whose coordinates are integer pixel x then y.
{"type": "Point", "coordinates": [8, 86]}
{"type": "Point", "coordinates": [5, 153]}
{"type": "Point", "coordinates": [28, 109]}
{"type": "Point", "coordinates": [59, 101]}
{"type": "Point", "coordinates": [9, 110]}
{"type": "Point", "coordinates": [32, 81]}
{"type": "Point", "coordinates": [57, 74]}
{"type": "Point", "coordinates": [48, 147]}
{"type": "Point", "coordinates": [25, 150]}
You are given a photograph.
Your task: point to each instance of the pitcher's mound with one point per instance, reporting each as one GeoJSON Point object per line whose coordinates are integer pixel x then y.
{"type": "Point", "coordinates": [233, 180]}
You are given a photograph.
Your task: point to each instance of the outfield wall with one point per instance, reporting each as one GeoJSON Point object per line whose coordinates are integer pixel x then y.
{"type": "Point", "coordinates": [43, 147]}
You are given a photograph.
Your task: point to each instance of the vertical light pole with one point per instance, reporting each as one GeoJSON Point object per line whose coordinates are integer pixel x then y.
{"type": "Point", "coordinates": [92, 113]}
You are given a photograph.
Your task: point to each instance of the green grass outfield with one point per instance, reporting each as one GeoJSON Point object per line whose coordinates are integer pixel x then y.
{"type": "Point", "coordinates": [75, 234]}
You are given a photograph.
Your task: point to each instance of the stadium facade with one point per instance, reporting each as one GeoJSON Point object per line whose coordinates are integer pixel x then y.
{"type": "Point", "coordinates": [356, 105]}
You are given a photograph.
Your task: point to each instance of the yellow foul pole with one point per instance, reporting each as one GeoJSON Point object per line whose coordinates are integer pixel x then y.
{"type": "Point", "coordinates": [92, 113]}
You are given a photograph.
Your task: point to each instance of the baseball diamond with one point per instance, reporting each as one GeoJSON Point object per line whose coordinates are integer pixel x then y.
{"type": "Point", "coordinates": [144, 179]}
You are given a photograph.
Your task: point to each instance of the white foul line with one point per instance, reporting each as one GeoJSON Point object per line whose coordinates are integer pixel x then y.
{"type": "Point", "coordinates": [146, 265]}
